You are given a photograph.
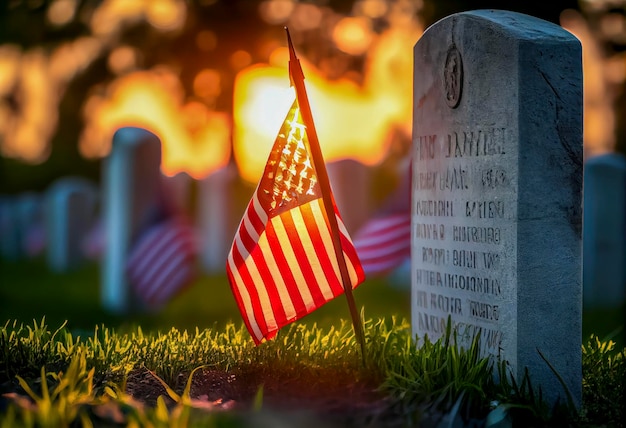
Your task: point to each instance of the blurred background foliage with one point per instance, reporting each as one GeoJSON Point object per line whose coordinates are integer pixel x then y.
{"type": "Point", "coordinates": [59, 58]}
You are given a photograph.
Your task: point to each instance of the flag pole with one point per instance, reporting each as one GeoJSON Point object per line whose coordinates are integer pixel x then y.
{"type": "Point", "coordinates": [297, 80]}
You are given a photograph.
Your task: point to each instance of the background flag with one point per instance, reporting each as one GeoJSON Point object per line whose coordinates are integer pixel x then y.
{"type": "Point", "coordinates": [161, 263]}
{"type": "Point", "coordinates": [384, 241]}
{"type": "Point", "coordinates": [282, 264]}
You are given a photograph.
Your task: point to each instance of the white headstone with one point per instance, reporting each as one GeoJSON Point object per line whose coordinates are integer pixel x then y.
{"type": "Point", "coordinates": [497, 176]}
{"type": "Point", "coordinates": [604, 227]}
{"type": "Point", "coordinates": [71, 204]}
{"type": "Point", "coordinates": [216, 221]}
{"type": "Point", "coordinates": [350, 182]}
{"type": "Point", "coordinates": [131, 180]}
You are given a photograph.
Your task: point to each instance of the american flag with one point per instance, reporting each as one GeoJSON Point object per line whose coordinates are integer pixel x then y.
{"type": "Point", "coordinates": [282, 264]}
{"type": "Point", "coordinates": [384, 242]}
{"type": "Point", "coordinates": [161, 263]}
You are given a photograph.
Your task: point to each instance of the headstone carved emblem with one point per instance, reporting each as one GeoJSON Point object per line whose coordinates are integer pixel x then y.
{"type": "Point", "coordinates": [453, 77]}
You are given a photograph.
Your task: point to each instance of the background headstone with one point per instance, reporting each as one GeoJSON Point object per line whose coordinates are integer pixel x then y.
{"type": "Point", "coordinates": [216, 221]}
{"type": "Point", "coordinates": [604, 243]}
{"type": "Point", "coordinates": [71, 204]}
{"type": "Point", "coordinates": [350, 182]}
{"type": "Point", "coordinates": [132, 182]}
{"type": "Point", "coordinates": [9, 232]}
{"type": "Point", "coordinates": [497, 176]}
{"type": "Point", "coordinates": [178, 189]}
{"type": "Point", "coordinates": [20, 222]}
{"type": "Point", "coordinates": [30, 221]}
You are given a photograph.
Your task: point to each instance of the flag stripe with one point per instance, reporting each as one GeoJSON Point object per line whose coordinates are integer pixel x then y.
{"type": "Point", "coordinates": [161, 262]}
{"type": "Point", "coordinates": [282, 264]}
{"type": "Point", "coordinates": [323, 247]}
{"type": "Point", "coordinates": [392, 234]}
{"type": "Point", "coordinates": [300, 250]}
{"type": "Point", "coordinates": [384, 243]}
{"type": "Point", "coordinates": [311, 256]}
{"type": "Point", "coordinates": [239, 275]}
{"type": "Point", "coordinates": [283, 303]}
{"type": "Point", "coordinates": [335, 280]}
{"type": "Point", "coordinates": [350, 254]}
{"type": "Point", "coordinates": [262, 301]}
{"type": "Point", "coordinates": [166, 255]}
{"type": "Point", "coordinates": [242, 296]}
{"type": "Point", "coordinates": [286, 242]}
{"type": "Point", "coordinates": [245, 277]}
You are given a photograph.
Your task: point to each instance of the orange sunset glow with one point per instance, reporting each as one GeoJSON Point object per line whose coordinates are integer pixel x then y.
{"type": "Point", "coordinates": [352, 121]}
{"type": "Point", "coordinates": [194, 139]}
{"type": "Point", "coordinates": [360, 87]}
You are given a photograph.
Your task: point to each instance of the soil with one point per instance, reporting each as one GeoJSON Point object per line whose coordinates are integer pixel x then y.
{"type": "Point", "coordinates": [318, 398]}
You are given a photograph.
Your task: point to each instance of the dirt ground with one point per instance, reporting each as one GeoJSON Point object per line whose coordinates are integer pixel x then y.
{"type": "Point", "coordinates": [318, 397]}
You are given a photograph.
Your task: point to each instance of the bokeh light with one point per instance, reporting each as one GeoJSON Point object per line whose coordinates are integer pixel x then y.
{"type": "Point", "coordinates": [305, 17]}
{"type": "Point", "coordinates": [122, 59]}
{"type": "Point", "coordinates": [61, 12]}
{"type": "Point", "coordinates": [207, 84]}
{"type": "Point", "coordinates": [276, 11]}
{"type": "Point", "coordinates": [353, 35]}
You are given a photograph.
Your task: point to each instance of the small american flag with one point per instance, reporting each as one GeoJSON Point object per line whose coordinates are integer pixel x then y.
{"type": "Point", "coordinates": [384, 242]}
{"type": "Point", "coordinates": [282, 264]}
{"type": "Point", "coordinates": [161, 263]}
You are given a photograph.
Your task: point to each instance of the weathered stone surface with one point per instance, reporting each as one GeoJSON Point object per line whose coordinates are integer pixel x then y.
{"type": "Point", "coordinates": [497, 176]}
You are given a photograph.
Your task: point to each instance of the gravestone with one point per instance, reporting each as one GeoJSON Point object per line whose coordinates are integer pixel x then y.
{"type": "Point", "coordinates": [178, 188]}
{"type": "Point", "coordinates": [604, 246]}
{"type": "Point", "coordinates": [131, 180]}
{"type": "Point", "coordinates": [70, 211]}
{"type": "Point", "coordinates": [497, 176]}
{"type": "Point", "coordinates": [30, 223]}
{"type": "Point", "coordinates": [350, 181]}
{"type": "Point", "coordinates": [215, 218]}
{"type": "Point", "coordinates": [9, 232]}
{"type": "Point", "coordinates": [20, 222]}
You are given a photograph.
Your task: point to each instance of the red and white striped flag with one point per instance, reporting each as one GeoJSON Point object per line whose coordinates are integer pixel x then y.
{"type": "Point", "coordinates": [384, 242]}
{"type": "Point", "coordinates": [161, 263]}
{"type": "Point", "coordinates": [282, 264]}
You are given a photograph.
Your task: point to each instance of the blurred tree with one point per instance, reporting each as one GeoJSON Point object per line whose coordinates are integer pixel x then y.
{"type": "Point", "coordinates": [220, 35]}
{"type": "Point", "coordinates": [434, 10]}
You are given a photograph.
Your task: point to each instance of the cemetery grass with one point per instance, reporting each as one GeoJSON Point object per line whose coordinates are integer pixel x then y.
{"type": "Point", "coordinates": [307, 376]}
{"type": "Point", "coordinates": [184, 368]}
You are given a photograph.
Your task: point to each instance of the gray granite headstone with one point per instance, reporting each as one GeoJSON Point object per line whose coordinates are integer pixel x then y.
{"type": "Point", "coordinates": [604, 227]}
{"type": "Point", "coordinates": [71, 204]}
{"type": "Point", "coordinates": [132, 181]}
{"type": "Point", "coordinates": [497, 176]}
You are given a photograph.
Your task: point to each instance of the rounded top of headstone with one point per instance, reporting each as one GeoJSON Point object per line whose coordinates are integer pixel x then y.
{"type": "Point", "coordinates": [71, 184]}
{"type": "Point", "coordinates": [610, 160]}
{"type": "Point", "coordinates": [518, 25]}
{"type": "Point", "coordinates": [133, 135]}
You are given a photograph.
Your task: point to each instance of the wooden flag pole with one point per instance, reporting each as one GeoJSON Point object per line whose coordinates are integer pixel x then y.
{"type": "Point", "coordinates": [297, 80]}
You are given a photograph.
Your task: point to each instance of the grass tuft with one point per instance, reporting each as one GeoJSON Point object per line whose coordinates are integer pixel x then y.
{"type": "Point", "coordinates": [54, 378]}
